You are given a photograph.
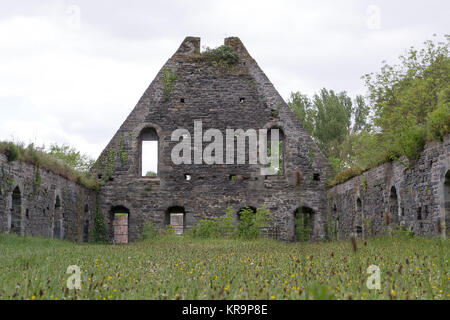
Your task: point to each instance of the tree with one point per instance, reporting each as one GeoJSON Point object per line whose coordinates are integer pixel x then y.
{"type": "Point", "coordinates": [408, 104]}
{"type": "Point", "coordinates": [71, 157]}
{"type": "Point", "coordinates": [302, 107]}
{"type": "Point", "coordinates": [332, 121]}
{"type": "Point", "coordinates": [411, 100]}
{"type": "Point", "coordinates": [331, 118]}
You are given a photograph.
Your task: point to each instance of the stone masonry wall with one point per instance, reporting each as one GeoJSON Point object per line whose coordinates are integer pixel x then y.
{"type": "Point", "coordinates": [237, 97]}
{"type": "Point", "coordinates": [40, 203]}
{"type": "Point", "coordinates": [414, 193]}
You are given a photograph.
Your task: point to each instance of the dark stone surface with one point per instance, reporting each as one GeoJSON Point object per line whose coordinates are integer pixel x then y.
{"type": "Point", "coordinates": [213, 95]}
{"type": "Point", "coordinates": [234, 97]}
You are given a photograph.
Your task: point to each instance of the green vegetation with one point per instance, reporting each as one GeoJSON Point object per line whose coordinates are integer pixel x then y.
{"type": "Point", "coordinates": [149, 231]}
{"type": "Point", "coordinates": [408, 104]}
{"type": "Point", "coordinates": [176, 267]}
{"type": "Point", "coordinates": [71, 157]}
{"type": "Point", "coordinates": [248, 227]}
{"type": "Point", "coordinates": [168, 78]}
{"type": "Point", "coordinates": [151, 174]}
{"type": "Point", "coordinates": [61, 160]}
{"type": "Point", "coordinates": [250, 222]}
{"type": "Point", "coordinates": [302, 227]}
{"type": "Point", "coordinates": [99, 234]}
{"type": "Point", "coordinates": [222, 57]}
{"type": "Point", "coordinates": [218, 227]}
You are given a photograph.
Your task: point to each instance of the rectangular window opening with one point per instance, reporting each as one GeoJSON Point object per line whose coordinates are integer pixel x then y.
{"type": "Point", "coordinates": [149, 158]}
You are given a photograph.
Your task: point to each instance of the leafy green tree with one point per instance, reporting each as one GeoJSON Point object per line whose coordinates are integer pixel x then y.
{"type": "Point", "coordinates": [361, 114]}
{"type": "Point", "coordinates": [302, 107]}
{"type": "Point", "coordinates": [332, 121]}
{"type": "Point", "coordinates": [411, 100]}
{"type": "Point", "coordinates": [332, 118]}
{"type": "Point", "coordinates": [407, 104]}
{"type": "Point", "coordinates": [73, 158]}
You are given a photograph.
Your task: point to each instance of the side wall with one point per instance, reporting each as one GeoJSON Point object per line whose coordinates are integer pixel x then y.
{"type": "Point", "coordinates": [411, 193]}
{"type": "Point", "coordinates": [40, 203]}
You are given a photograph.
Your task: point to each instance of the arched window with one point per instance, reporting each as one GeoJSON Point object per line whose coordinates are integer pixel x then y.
{"type": "Point", "coordinates": [119, 216]}
{"type": "Point", "coordinates": [175, 216]}
{"type": "Point", "coordinates": [393, 205]}
{"type": "Point", "coordinates": [16, 211]}
{"type": "Point", "coordinates": [149, 153]}
{"type": "Point", "coordinates": [276, 135]}
{"type": "Point", "coordinates": [304, 223]}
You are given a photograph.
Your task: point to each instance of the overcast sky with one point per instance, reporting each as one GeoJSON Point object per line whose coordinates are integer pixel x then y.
{"type": "Point", "coordinates": [71, 71]}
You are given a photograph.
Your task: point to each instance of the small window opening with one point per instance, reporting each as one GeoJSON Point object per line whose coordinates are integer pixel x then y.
{"type": "Point", "coordinates": [182, 100]}
{"type": "Point", "coordinates": [419, 213]}
{"type": "Point", "coordinates": [241, 100]}
{"type": "Point", "coordinates": [316, 177]}
{"type": "Point", "coordinates": [187, 177]}
{"type": "Point", "coordinates": [232, 177]}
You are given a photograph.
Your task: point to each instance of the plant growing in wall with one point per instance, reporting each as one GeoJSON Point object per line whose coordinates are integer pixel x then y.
{"type": "Point", "coordinates": [250, 223]}
{"type": "Point", "coordinates": [168, 78]}
{"type": "Point", "coordinates": [223, 56]}
{"type": "Point", "coordinates": [123, 155]}
{"type": "Point", "coordinates": [12, 152]}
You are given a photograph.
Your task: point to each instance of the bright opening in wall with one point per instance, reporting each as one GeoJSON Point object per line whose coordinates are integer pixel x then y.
{"type": "Point", "coordinates": [150, 158]}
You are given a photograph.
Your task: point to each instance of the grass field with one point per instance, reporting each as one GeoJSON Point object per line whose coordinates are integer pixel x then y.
{"type": "Point", "coordinates": [181, 268]}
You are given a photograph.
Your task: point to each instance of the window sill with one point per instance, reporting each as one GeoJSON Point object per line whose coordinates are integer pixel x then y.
{"type": "Point", "coordinates": [151, 179]}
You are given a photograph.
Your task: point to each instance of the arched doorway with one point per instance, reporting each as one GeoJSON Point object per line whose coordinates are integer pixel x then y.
{"type": "Point", "coordinates": [175, 216]}
{"type": "Point", "coordinates": [447, 201]}
{"type": "Point", "coordinates": [86, 224]}
{"type": "Point", "coordinates": [358, 219]}
{"type": "Point", "coordinates": [245, 209]}
{"type": "Point", "coordinates": [393, 205]}
{"type": "Point", "coordinates": [119, 217]}
{"type": "Point", "coordinates": [16, 211]}
{"type": "Point", "coordinates": [58, 224]}
{"type": "Point", "coordinates": [304, 224]}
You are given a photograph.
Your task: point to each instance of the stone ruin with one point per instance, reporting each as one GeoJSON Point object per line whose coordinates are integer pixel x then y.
{"type": "Point", "coordinates": [190, 88]}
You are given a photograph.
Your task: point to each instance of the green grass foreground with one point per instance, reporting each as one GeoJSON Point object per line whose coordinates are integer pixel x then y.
{"type": "Point", "coordinates": [182, 268]}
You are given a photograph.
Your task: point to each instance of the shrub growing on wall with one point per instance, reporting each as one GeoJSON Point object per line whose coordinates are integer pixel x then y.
{"type": "Point", "coordinates": [149, 231]}
{"type": "Point", "coordinates": [250, 223]}
{"type": "Point", "coordinates": [219, 227]}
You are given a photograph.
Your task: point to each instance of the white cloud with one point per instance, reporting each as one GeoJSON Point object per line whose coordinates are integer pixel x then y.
{"type": "Point", "coordinates": [60, 83]}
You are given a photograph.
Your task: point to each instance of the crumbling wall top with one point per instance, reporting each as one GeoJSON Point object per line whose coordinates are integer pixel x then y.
{"type": "Point", "coordinates": [190, 45]}
{"type": "Point", "coordinates": [238, 46]}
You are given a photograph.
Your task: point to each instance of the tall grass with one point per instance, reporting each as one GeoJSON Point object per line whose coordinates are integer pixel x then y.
{"type": "Point", "coordinates": [173, 267]}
